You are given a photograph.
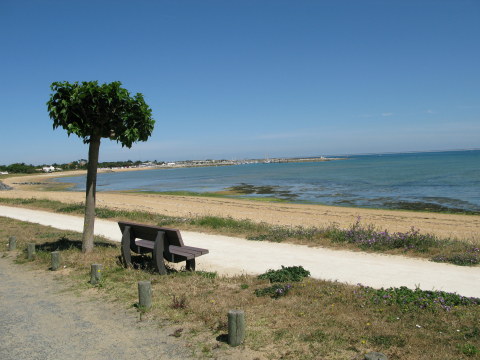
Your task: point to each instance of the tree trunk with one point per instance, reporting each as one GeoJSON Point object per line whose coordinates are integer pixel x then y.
{"type": "Point", "coordinates": [88, 225]}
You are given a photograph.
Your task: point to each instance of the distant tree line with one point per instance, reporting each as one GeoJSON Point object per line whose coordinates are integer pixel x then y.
{"type": "Point", "coordinates": [111, 164]}
{"type": "Point", "coordinates": [22, 168]}
{"type": "Point", "coordinates": [18, 168]}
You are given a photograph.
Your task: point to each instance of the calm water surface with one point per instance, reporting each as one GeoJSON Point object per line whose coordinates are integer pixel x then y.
{"type": "Point", "coordinates": [444, 179]}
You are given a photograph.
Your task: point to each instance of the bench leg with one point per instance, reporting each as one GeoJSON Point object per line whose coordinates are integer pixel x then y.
{"type": "Point", "coordinates": [158, 253]}
{"type": "Point", "coordinates": [191, 265]}
{"type": "Point", "coordinates": [126, 256]}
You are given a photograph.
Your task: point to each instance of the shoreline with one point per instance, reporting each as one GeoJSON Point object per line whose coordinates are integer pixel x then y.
{"type": "Point", "coordinates": [245, 191]}
{"type": "Point", "coordinates": [455, 226]}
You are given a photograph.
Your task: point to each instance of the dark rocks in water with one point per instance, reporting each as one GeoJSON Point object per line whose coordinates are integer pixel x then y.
{"type": "Point", "coordinates": [249, 189]}
{"type": "Point", "coordinates": [4, 187]}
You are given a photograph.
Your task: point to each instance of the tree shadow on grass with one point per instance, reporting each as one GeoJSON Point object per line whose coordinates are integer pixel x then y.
{"type": "Point", "coordinates": [65, 243]}
{"type": "Point", "coordinates": [222, 338]}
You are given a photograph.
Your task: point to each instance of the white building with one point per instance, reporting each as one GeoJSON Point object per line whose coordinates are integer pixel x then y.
{"type": "Point", "coordinates": [48, 169]}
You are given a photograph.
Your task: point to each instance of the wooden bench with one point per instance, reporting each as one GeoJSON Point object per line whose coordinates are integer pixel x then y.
{"type": "Point", "coordinates": [163, 243]}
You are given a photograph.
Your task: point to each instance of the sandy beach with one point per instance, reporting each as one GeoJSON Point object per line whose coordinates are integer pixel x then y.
{"type": "Point", "coordinates": [465, 227]}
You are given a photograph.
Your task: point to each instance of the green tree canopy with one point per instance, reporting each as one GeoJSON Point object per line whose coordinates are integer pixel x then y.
{"type": "Point", "coordinates": [92, 112]}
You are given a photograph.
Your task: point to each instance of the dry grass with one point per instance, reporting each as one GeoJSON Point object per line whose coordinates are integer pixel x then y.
{"type": "Point", "coordinates": [316, 320]}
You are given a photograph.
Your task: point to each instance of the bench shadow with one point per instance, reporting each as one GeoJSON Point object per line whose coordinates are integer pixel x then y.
{"type": "Point", "coordinates": [65, 243]}
{"type": "Point", "coordinates": [145, 263]}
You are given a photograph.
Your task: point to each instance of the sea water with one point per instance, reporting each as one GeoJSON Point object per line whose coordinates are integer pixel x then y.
{"type": "Point", "coordinates": [436, 180]}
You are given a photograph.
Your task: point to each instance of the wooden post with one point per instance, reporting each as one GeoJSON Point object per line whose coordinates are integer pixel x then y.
{"type": "Point", "coordinates": [55, 260]}
{"type": "Point", "coordinates": [12, 243]}
{"type": "Point", "coordinates": [236, 327]}
{"type": "Point", "coordinates": [31, 251]}
{"type": "Point", "coordinates": [144, 294]}
{"type": "Point", "coordinates": [96, 273]}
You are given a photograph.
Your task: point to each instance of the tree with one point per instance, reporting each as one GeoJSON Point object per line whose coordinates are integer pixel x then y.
{"type": "Point", "coordinates": [20, 168]}
{"type": "Point", "coordinates": [92, 112]}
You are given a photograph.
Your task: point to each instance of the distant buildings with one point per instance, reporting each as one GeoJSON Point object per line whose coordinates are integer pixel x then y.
{"type": "Point", "coordinates": [48, 169]}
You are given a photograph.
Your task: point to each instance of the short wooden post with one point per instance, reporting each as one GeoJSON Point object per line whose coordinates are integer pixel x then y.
{"type": "Point", "coordinates": [31, 251]}
{"type": "Point", "coordinates": [96, 273]}
{"type": "Point", "coordinates": [144, 294]}
{"type": "Point", "coordinates": [12, 243]}
{"type": "Point", "coordinates": [236, 327]}
{"type": "Point", "coordinates": [55, 260]}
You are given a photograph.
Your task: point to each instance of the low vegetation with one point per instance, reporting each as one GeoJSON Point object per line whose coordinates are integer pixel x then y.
{"type": "Point", "coordinates": [288, 314]}
{"type": "Point", "coordinates": [285, 274]}
{"type": "Point", "coordinates": [359, 236]}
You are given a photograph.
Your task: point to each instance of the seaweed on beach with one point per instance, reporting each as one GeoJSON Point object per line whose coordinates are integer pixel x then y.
{"type": "Point", "coordinates": [428, 206]}
{"type": "Point", "coordinates": [249, 189]}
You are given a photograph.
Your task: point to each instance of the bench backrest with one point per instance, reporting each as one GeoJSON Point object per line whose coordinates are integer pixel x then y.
{"type": "Point", "coordinates": [149, 232]}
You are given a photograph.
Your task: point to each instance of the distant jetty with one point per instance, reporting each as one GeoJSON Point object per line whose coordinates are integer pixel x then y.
{"type": "Point", "coordinates": [291, 160]}
{"type": "Point", "coordinates": [209, 162]}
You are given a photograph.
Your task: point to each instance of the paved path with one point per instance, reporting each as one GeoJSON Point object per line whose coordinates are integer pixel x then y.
{"type": "Point", "coordinates": [235, 256]}
{"type": "Point", "coordinates": [39, 321]}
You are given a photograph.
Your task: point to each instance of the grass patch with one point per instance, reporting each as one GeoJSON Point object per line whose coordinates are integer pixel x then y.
{"type": "Point", "coordinates": [388, 341]}
{"type": "Point", "coordinates": [215, 222]}
{"type": "Point", "coordinates": [178, 193]}
{"type": "Point", "coordinates": [468, 258]}
{"type": "Point", "coordinates": [469, 350]}
{"type": "Point", "coordinates": [318, 319]}
{"type": "Point", "coordinates": [408, 299]}
{"type": "Point", "coordinates": [368, 237]}
{"type": "Point", "coordinates": [275, 291]}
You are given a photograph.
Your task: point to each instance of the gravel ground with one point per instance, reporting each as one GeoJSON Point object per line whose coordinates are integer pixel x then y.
{"type": "Point", "coordinates": [40, 320]}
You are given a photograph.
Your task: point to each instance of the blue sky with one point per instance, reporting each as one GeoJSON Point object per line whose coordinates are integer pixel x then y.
{"type": "Point", "coordinates": [241, 79]}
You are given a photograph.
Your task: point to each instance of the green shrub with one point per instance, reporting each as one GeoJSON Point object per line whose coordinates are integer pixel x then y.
{"type": "Point", "coordinates": [285, 274]}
